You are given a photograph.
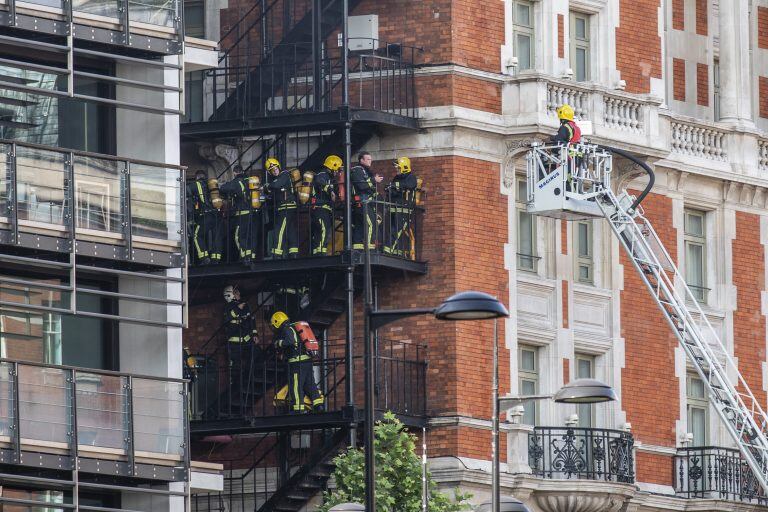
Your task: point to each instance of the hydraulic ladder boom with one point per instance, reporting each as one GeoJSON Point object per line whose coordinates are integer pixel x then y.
{"type": "Point", "coordinates": [740, 411]}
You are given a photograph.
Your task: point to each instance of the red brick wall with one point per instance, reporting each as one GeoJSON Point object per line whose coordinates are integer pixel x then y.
{"type": "Point", "coordinates": [678, 79]}
{"type": "Point", "coordinates": [762, 27]}
{"type": "Point", "coordinates": [701, 17]}
{"type": "Point", "coordinates": [678, 14]}
{"type": "Point", "coordinates": [560, 36]}
{"type": "Point", "coordinates": [566, 370]}
{"type": "Point", "coordinates": [565, 303]}
{"type": "Point", "coordinates": [460, 91]}
{"type": "Point", "coordinates": [702, 85]}
{"type": "Point", "coordinates": [638, 45]}
{"type": "Point", "coordinates": [654, 468]}
{"type": "Point", "coordinates": [748, 320]}
{"type": "Point", "coordinates": [648, 378]}
{"type": "Point", "coordinates": [478, 33]}
{"type": "Point", "coordinates": [763, 96]}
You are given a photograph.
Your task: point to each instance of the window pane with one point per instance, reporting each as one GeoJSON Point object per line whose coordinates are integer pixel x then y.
{"type": "Point", "coordinates": [584, 369]}
{"type": "Point", "coordinates": [585, 273]}
{"type": "Point", "coordinates": [528, 387]}
{"type": "Point", "coordinates": [696, 388]}
{"type": "Point", "coordinates": [581, 28]}
{"type": "Point", "coordinates": [528, 360]}
{"type": "Point", "coordinates": [523, 51]}
{"type": "Point", "coordinates": [585, 415]}
{"type": "Point", "coordinates": [694, 224]}
{"type": "Point", "coordinates": [581, 64]}
{"type": "Point", "coordinates": [525, 234]}
{"type": "Point", "coordinates": [523, 14]}
{"type": "Point", "coordinates": [522, 191]}
{"type": "Point", "coordinates": [697, 425]}
{"type": "Point", "coordinates": [585, 251]}
{"type": "Point", "coordinates": [694, 263]}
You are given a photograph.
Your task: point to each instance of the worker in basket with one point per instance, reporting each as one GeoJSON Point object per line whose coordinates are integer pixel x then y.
{"type": "Point", "coordinates": [299, 345]}
{"type": "Point", "coordinates": [569, 134]}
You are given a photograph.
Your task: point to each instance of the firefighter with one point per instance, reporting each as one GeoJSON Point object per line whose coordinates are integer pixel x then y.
{"type": "Point", "coordinates": [569, 132]}
{"type": "Point", "coordinates": [301, 378]}
{"type": "Point", "coordinates": [241, 338]}
{"type": "Point", "coordinates": [402, 193]}
{"type": "Point", "coordinates": [363, 191]}
{"type": "Point", "coordinates": [323, 198]}
{"type": "Point", "coordinates": [245, 221]}
{"type": "Point", "coordinates": [285, 240]}
{"type": "Point", "coordinates": [206, 231]}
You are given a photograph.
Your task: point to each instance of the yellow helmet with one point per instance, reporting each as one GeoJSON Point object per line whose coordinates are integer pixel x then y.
{"type": "Point", "coordinates": [403, 165]}
{"type": "Point", "coordinates": [271, 162]}
{"type": "Point", "coordinates": [565, 111]}
{"type": "Point", "coordinates": [278, 319]}
{"type": "Point", "coordinates": [333, 162]}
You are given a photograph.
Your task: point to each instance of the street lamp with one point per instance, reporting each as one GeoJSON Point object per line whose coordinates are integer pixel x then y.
{"type": "Point", "coordinates": [579, 391]}
{"type": "Point", "coordinates": [347, 507]}
{"type": "Point", "coordinates": [468, 305]}
{"type": "Point", "coordinates": [506, 504]}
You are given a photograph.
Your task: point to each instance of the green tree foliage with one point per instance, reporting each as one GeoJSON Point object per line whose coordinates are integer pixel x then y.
{"type": "Point", "coordinates": [398, 475]}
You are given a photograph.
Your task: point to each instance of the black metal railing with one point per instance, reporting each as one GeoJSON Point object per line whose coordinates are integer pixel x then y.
{"type": "Point", "coordinates": [381, 80]}
{"type": "Point", "coordinates": [712, 472]}
{"type": "Point", "coordinates": [272, 467]}
{"type": "Point", "coordinates": [581, 453]}
{"type": "Point", "coordinates": [237, 381]}
{"type": "Point", "coordinates": [93, 414]}
{"type": "Point", "coordinates": [397, 233]}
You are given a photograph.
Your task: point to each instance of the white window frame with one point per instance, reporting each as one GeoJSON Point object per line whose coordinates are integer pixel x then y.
{"type": "Point", "coordinates": [696, 403]}
{"type": "Point", "coordinates": [531, 414]}
{"type": "Point", "coordinates": [694, 239]}
{"type": "Point", "coordinates": [579, 43]}
{"type": "Point", "coordinates": [525, 262]}
{"type": "Point", "coordinates": [716, 89]}
{"type": "Point", "coordinates": [585, 259]}
{"type": "Point", "coordinates": [524, 30]}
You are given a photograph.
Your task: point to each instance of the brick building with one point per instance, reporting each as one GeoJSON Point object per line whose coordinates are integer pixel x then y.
{"type": "Point", "coordinates": [679, 84]}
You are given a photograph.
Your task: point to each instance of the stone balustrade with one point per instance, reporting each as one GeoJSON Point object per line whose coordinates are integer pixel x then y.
{"type": "Point", "coordinates": [699, 141]}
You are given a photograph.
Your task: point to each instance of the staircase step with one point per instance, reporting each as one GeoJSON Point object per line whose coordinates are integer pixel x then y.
{"type": "Point", "coordinates": [8, 123]}
{"type": "Point", "coordinates": [17, 80]}
{"type": "Point", "coordinates": [5, 100]}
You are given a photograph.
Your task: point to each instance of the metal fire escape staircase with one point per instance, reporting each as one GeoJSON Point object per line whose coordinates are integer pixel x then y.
{"type": "Point", "coordinates": [573, 182]}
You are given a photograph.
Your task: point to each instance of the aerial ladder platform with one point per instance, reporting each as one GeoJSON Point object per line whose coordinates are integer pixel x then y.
{"type": "Point", "coordinates": [572, 182]}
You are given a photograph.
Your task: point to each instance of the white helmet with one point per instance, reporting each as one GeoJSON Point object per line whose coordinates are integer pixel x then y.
{"type": "Point", "coordinates": [229, 293]}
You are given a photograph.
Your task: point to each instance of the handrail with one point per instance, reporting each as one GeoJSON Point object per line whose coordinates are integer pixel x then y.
{"type": "Point", "coordinates": [80, 369]}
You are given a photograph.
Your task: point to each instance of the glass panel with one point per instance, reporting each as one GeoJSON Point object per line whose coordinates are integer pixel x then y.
{"type": "Point", "coordinates": [585, 251]}
{"type": "Point", "coordinates": [6, 399]}
{"type": "Point", "coordinates": [696, 388]}
{"type": "Point", "coordinates": [108, 8]}
{"type": "Point", "coordinates": [40, 179]}
{"type": "Point", "coordinates": [694, 262]}
{"type": "Point", "coordinates": [155, 12]}
{"type": "Point", "coordinates": [585, 273]}
{"type": "Point", "coordinates": [694, 224]}
{"type": "Point", "coordinates": [583, 369]}
{"type": "Point", "coordinates": [585, 415]}
{"type": "Point", "coordinates": [158, 416]}
{"type": "Point", "coordinates": [526, 233]}
{"type": "Point", "coordinates": [528, 360]}
{"type": "Point", "coordinates": [528, 387]}
{"type": "Point", "coordinates": [155, 210]}
{"type": "Point", "coordinates": [581, 28]}
{"type": "Point", "coordinates": [56, 4]}
{"type": "Point", "coordinates": [44, 403]}
{"type": "Point", "coordinates": [523, 14]}
{"type": "Point", "coordinates": [522, 191]}
{"type": "Point", "coordinates": [32, 293]}
{"type": "Point", "coordinates": [98, 193]}
{"type": "Point", "coordinates": [581, 64]}
{"type": "Point", "coordinates": [697, 425]}
{"type": "Point", "coordinates": [523, 53]}
{"type": "Point", "coordinates": [194, 18]}
{"type": "Point", "coordinates": [102, 410]}
{"type": "Point", "coordinates": [5, 170]}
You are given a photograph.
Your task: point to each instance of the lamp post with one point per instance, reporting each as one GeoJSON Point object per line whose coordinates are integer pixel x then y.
{"type": "Point", "coordinates": [579, 391]}
{"type": "Point", "coordinates": [468, 305]}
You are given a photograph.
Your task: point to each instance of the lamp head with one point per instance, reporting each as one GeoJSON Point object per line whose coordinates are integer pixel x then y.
{"type": "Point", "coordinates": [471, 306]}
{"type": "Point", "coordinates": [506, 504]}
{"type": "Point", "coordinates": [585, 391]}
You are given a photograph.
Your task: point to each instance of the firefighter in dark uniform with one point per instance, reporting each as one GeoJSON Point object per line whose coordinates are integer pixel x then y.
{"type": "Point", "coordinates": [241, 337]}
{"type": "Point", "coordinates": [285, 238]}
{"type": "Point", "coordinates": [402, 194]}
{"type": "Point", "coordinates": [568, 133]}
{"type": "Point", "coordinates": [363, 191]}
{"type": "Point", "coordinates": [206, 233]}
{"type": "Point", "coordinates": [301, 378]}
{"type": "Point", "coordinates": [245, 221]}
{"type": "Point", "coordinates": [323, 197]}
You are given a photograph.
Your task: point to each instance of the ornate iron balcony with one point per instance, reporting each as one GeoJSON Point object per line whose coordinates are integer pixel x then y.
{"type": "Point", "coordinates": [712, 472]}
{"type": "Point", "coordinates": [582, 453]}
